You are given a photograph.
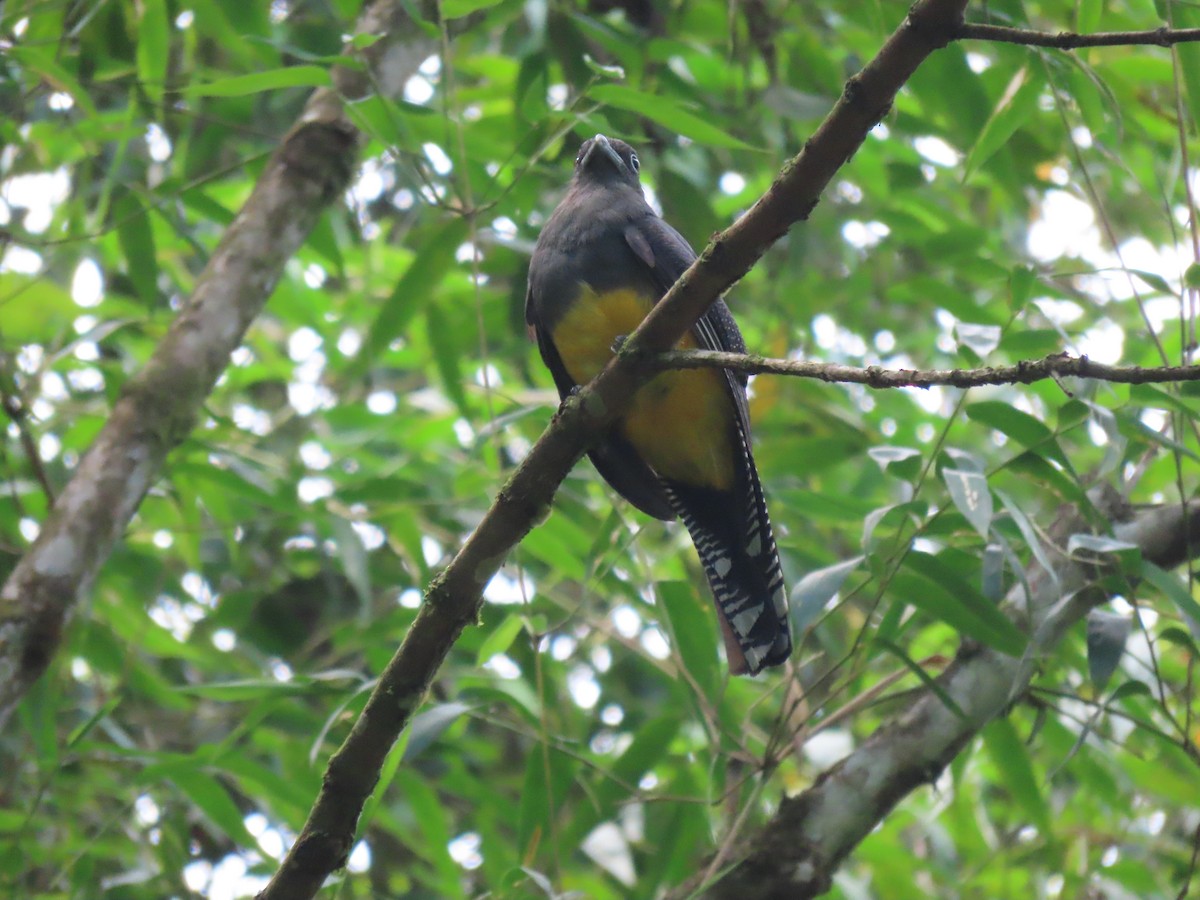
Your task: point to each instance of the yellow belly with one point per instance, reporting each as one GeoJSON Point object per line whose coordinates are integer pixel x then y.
{"type": "Point", "coordinates": [680, 421]}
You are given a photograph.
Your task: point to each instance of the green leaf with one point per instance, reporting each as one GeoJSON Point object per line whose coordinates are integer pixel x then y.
{"type": "Point", "coordinates": [1180, 638]}
{"type": "Point", "coordinates": [432, 820]}
{"type": "Point", "coordinates": [353, 556]}
{"type": "Point", "coordinates": [413, 292]}
{"type": "Point", "coordinates": [1018, 102]}
{"type": "Point", "coordinates": [43, 63]}
{"type": "Point", "coordinates": [454, 9]}
{"type": "Point", "coordinates": [930, 585]}
{"type": "Point", "coordinates": [666, 113]}
{"type": "Point", "coordinates": [153, 48]}
{"type": "Point", "coordinates": [902, 462]}
{"type": "Point", "coordinates": [1020, 426]}
{"type": "Point", "coordinates": [33, 309]}
{"type": "Point", "coordinates": [261, 82]}
{"type": "Point", "coordinates": [548, 777]}
{"type": "Point", "coordinates": [812, 592]}
{"type": "Point", "coordinates": [137, 244]}
{"type": "Point", "coordinates": [924, 677]}
{"type": "Point", "coordinates": [1131, 689]}
{"type": "Point", "coordinates": [1106, 636]}
{"type": "Point", "coordinates": [246, 689]}
{"type": "Point", "coordinates": [1021, 282]}
{"type": "Point", "coordinates": [969, 491]}
{"type": "Point", "coordinates": [1155, 281]}
{"type": "Point", "coordinates": [1175, 590]}
{"type": "Point", "coordinates": [429, 724]}
{"type": "Point", "coordinates": [695, 633]}
{"type": "Point", "coordinates": [1041, 472]}
{"type": "Point", "coordinates": [614, 72]}
{"type": "Point", "coordinates": [85, 728]}
{"type": "Point", "coordinates": [1029, 533]}
{"type": "Point", "coordinates": [1072, 413]}
{"type": "Point", "coordinates": [446, 355]}
{"type": "Point", "coordinates": [1189, 58]}
{"type": "Point", "coordinates": [209, 796]}
{"type": "Point", "coordinates": [387, 774]}
{"type": "Point", "coordinates": [500, 638]}
{"type": "Point", "coordinates": [895, 516]}
{"type": "Point", "coordinates": [1011, 758]}
{"type": "Point", "coordinates": [648, 748]}
{"type": "Point", "coordinates": [1098, 543]}
{"type": "Point", "coordinates": [1087, 15]}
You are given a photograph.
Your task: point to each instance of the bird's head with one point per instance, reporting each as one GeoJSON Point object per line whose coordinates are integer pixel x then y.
{"type": "Point", "coordinates": [602, 160]}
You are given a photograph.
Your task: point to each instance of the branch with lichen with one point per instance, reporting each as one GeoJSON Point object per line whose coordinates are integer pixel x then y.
{"type": "Point", "coordinates": [1055, 366]}
{"type": "Point", "coordinates": [1069, 40]}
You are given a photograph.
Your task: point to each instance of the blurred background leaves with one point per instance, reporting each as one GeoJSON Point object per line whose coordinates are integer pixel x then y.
{"type": "Point", "coordinates": [585, 737]}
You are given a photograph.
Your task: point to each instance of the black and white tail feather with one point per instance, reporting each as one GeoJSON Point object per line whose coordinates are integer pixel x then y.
{"type": "Point", "coordinates": [737, 550]}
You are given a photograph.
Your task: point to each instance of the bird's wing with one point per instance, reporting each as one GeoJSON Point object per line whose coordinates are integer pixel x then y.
{"type": "Point", "coordinates": [667, 254]}
{"type": "Point", "coordinates": [738, 551]}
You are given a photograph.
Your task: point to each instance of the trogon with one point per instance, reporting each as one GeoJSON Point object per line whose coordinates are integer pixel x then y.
{"type": "Point", "coordinates": [603, 259]}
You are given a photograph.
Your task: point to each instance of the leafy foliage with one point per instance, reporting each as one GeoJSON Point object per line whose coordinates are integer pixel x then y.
{"type": "Point", "coordinates": [585, 736]}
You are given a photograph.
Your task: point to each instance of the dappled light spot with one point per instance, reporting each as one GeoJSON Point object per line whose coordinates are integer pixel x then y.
{"type": "Point", "coordinates": [224, 639]}
{"type": "Point", "coordinates": [158, 145]}
{"type": "Point", "coordinates": [732, 183]}
{"type": "Point", "coordinates": [937, 151]}
{"type": "Point", "coordinates": [20, 259]}
{"type": "Point", "coordinates": [466, 850]}
{"type": "Point", "coordinates": [627, 621]}
{"type": "Point", "coordinates": [381, 403]}
{"type": "Point", "coordinates": [87, 284]}
{"type": "Point", "coordinates": [504, 590]}
{"type": "Point", "coordinates": [359, 860]}
{"type": "Point", "coordinates": [431, 550]}
{"type": "Point", "coordinates": [582, 684]}
{"type": "Point", "coordinates": [503, 666]}
{"type": "Point", "coordinates": [827, 747]}
{"type": "Point", "coordinates": [655, 643]}
{"type": "Point", "coordinates": [313, 488]}
{"type": "Point", "coordinates": [437, 158]}
{"type": "Point", "coordinates": [562, 646]}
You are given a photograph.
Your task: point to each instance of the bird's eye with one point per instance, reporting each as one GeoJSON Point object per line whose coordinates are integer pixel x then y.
{"type": "Point", "coordinates": [633, 161]}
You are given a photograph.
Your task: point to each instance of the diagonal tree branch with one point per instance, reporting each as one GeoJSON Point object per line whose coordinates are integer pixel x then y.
{"type": "Point", "coordinates": [454, 597]}
{"type": "Point", "coordinates": [158, 406]}
{"type": "Point", "coordinates": [1024, 372]}
{"type": "Point", "coordinates": [796, 853]}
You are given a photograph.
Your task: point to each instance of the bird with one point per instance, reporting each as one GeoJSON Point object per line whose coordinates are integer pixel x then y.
{"type": "Point", "coordinates": [603, 259]}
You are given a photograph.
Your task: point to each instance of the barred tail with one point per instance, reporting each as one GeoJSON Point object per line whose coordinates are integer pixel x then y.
{"type": "Point", "coordinates": [732, 534]}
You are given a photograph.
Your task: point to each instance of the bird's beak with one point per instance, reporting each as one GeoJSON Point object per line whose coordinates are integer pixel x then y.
{"type": "Point", "coordinates": [601, 149]}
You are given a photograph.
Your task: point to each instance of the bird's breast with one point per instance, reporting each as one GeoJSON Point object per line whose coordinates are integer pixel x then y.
{"type": "Point", "coordinates": [682, 421]}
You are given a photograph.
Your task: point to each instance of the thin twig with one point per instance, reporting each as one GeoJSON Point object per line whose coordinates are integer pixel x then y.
{"type": "Point", "coordinates": [15, 409]}
{"type": "Point", "coordinates": [1024, 372]}
{"type": "Point", "coordinates": [1069, 40]}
